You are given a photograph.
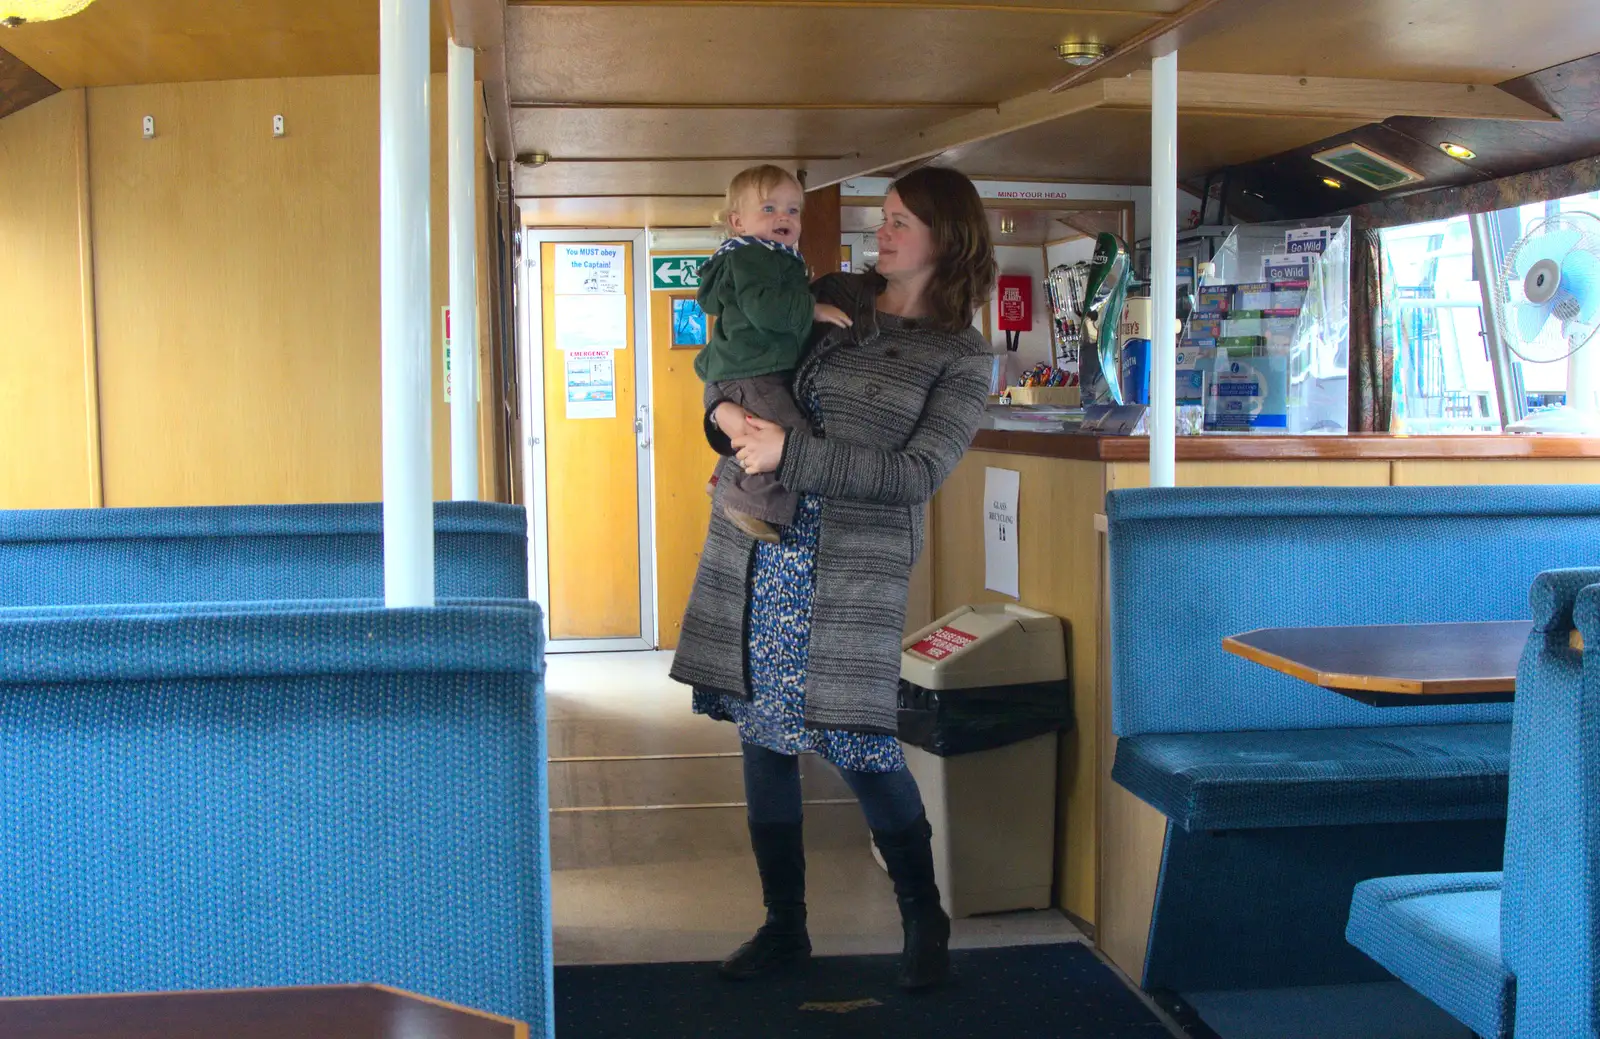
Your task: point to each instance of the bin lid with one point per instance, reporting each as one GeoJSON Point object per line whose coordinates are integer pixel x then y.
{"type": "Point", "coordinates": [986, 645]}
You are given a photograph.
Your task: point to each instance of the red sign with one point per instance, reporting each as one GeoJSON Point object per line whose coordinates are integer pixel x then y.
{"type": "Point", "coordinates": [1016, 303]}
{"type": "Point", "coordinates": [943, 642]}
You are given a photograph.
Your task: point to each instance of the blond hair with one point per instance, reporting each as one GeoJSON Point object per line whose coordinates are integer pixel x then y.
{"type": "Point", "coordinates": [758, 181]}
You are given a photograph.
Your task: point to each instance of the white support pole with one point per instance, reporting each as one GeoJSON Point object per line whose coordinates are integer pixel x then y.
{"type": "Point", "coordinates": [463, 279]}
{"type": "Point", "coordinates": [1163, 270]}
{"type": "Point", "coordinates": [407, 329]}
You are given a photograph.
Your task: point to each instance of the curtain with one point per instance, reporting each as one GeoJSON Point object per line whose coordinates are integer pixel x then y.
{"type": "Point", "coordinates": [1371, 338]}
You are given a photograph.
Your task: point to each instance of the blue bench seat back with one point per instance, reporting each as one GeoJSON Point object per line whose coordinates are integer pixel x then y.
{"type": "Point", "coordinates": [1282, 796]}
{"type": "Point", "coordinates": [240, 553]}
{"type": "Point", "coordinates": [1190, 567]}
{"type": "Point", "coordinates": [239, 795]}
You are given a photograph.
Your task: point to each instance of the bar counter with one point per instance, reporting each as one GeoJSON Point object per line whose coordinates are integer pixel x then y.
{"type": "Point", "coordinates": [1108, 842]}
{"type": "Point", "coordinates": [1245, 447]}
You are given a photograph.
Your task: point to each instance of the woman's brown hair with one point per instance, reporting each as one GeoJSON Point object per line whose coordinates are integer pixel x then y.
{"type": "Point", "coordinates": [964, 267]}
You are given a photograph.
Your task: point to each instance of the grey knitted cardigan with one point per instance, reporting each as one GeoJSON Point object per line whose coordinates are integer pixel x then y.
{"type": "Point", "coordinates": [902, 404]}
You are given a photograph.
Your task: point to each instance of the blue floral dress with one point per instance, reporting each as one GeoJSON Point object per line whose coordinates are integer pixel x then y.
{"type": "Point", "coordinates": [781, 586]}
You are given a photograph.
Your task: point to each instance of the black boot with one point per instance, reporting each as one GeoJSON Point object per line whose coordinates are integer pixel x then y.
{"type": "Point", "coordinates": [908, 853]}
{"type": "Point", "coordinates": [782, 941]}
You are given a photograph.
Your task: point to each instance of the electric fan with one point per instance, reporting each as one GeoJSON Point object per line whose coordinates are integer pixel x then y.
{"type": "Point", "coordinates": [1548, 291]}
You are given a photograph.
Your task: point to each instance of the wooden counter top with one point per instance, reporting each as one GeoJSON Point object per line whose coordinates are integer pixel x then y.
{"type": "Point", "coordinates": [1248, 448]}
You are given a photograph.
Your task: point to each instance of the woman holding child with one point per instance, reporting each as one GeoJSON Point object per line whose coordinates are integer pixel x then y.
{"type": "Point", "coordinates": [839, 410]}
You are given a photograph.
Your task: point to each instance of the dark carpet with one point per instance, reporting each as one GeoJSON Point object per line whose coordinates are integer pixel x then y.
{"type": "Point", "coordinates": [1024, 992]}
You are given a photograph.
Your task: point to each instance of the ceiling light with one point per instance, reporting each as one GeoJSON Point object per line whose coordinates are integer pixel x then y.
{"type": "Point", "coordinates": [1333, 182]}
{"type": "Point", "coordinates": [1079, 53]}
{"type": "Point", "coordinates": [16, 12]}
{"type": "Point", "coordinates": [1008, 225]}
{"type": "Point", "coordinates": [1457, 151]}
{"type": "Point", "coordinates": [533, 159]}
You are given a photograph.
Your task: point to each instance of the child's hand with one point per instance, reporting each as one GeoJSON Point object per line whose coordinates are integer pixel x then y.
{"type": "Point", "coordinates": [731, 420]}
{"type": "Point", "coordinates": [831, 315]}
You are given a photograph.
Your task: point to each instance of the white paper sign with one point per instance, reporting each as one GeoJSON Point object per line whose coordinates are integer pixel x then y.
{"type": "Point", "coordinates": [590, 270]}
{"type": "Point", "coordinates": [1000, 487]}
{"type": "Point", "coordinates": [591, 385]}
{"type": "Point", "coordinates": [587, 323]}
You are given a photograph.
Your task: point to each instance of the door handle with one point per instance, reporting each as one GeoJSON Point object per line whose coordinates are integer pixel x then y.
{"type": "Point", "coordinates": [641, 426]}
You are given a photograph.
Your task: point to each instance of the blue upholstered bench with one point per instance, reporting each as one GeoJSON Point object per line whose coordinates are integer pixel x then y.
{"type": "Point", "coordinates": [243, 553]}
{"type": "Point", "coordinates": [1282, 796]}
{"type": "Point", "coordinates": [262, 794]}
{"type": "Point", "coordinates": [1517, 952]}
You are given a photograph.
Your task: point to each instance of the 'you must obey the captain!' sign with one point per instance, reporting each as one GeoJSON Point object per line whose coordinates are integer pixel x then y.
{"type": "Point", "coordinates": [1000, 488]}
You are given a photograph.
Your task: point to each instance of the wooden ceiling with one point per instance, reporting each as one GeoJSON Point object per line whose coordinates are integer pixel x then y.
{"type": "Point", "coordinates": [802, 83]}
{"type": "Point", "coordinates": [120, 42]}
{"type": "Point", "coordinates": [647, 106]}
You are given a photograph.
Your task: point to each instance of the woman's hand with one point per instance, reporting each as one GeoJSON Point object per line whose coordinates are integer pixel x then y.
{"type": "Point", "coordinates": [829, 314]}
{"type": "Point", "coordinates": [761, 448]}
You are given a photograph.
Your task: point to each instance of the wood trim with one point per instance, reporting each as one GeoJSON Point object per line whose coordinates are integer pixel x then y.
{"type": "Point", "coordinates": [455, 1008]}
{"type": "Point", "coordinates": [1340, 681]}
{"type": "Point", "coordinates": [1372, 447]}
{"type": "Point", "coordinates": [1368, 100]}
{"type": "Point", "coordinates": [867, 5]}
{"type": "Point", "coordinates": [20, 84]}
{"type": "Point", "coordinates": [91, 335]}
{"type": "Point", "coordinates": [660, 159]}
{"type": "Point", "coordinates": [1198, 19]}
{"type": "Point", "coordinates": [755, 106]}
{"type": "Point", "coordinates": [1018, 113]}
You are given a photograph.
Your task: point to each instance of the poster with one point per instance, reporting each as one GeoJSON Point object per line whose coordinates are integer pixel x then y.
{"type": "Point", "coordinates": [591, 384]}
{"type": "Point", "coordinates": [1000, 487]}
{"type": "Point", "coordinates": [592, 322]}
{"type": "Point", "coordinates": [590, 270]}
{"type": "Point", "coordinates": [690, 326]}
{"type": "Point", "coordinates": [445, 317]}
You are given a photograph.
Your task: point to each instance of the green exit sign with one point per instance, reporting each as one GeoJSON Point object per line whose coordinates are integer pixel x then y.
{"type": "Point", "coordinates": [676, 272]}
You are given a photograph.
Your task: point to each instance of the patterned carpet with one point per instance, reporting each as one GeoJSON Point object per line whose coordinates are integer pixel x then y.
{"type": "Point", "coordinates": [1025, 992]}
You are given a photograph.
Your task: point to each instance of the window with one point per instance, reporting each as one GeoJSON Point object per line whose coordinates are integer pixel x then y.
{"type": "Point", "coordinates": [1444, 379]}
{"type": "Point", "coordinates": [1444, 382]}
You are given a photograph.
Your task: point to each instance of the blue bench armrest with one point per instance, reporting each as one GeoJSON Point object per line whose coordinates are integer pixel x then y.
{"type": "Point", "coordinates": [1555, 593]}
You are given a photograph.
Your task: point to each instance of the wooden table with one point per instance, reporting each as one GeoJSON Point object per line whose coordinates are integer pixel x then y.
{"type": "Point", "coordinates": [1396, 665]}
{"type": "Point", "coordinates": [333, 1012]}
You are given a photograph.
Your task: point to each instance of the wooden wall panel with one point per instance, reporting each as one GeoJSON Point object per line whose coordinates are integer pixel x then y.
{"type": "Point", "coordinates": [47, 414]}
{"type": "Point", "coordinates": [1057, 504]}
{"type": "Point", "coordinates": [237, 277]}
{"type": "Point", "coordinates": [683, 464]}
{"type": "Point", "coordinates": [1446, 472]}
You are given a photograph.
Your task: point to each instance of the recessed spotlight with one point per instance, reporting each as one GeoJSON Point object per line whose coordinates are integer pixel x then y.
{"type": "Point", "coordinates": [1080, 53]}
{"type": "Point", "coordinates": [1333, 182]}
{"type": "Point", "coordinates": [1457, 151]}
{"type": "Point", "coordinates": [533, 159]}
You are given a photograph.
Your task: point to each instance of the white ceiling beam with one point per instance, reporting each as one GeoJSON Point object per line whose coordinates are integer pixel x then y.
{"type": "Point", "coordinates": [1369, 100]}
{"type": "Point", "coordinates": [1041, 106]}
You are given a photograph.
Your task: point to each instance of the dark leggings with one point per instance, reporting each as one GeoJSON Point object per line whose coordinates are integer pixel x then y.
{"type": "Point", "coordinates": [890, 800]}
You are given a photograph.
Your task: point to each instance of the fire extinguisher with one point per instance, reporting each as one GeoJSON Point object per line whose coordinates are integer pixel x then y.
{"type": "Point", "coordinates": [1016, 308]}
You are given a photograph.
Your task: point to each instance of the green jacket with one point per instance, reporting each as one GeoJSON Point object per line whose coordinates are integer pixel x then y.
{"type": "Point", "coordinates": [763, 306]}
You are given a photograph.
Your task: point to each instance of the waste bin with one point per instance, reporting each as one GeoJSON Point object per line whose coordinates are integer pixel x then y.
{"type": "Point", "coordinates": [983, 696]}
